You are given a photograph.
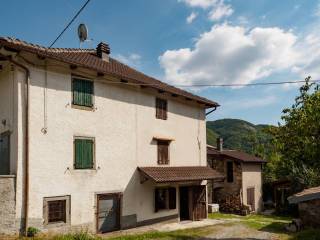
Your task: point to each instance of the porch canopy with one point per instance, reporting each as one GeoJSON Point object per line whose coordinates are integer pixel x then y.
{"type": "Point", "coordinates": [179, 174]}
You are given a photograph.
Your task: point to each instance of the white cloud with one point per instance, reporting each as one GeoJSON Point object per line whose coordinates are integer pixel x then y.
{"type": "Point", "coordinates": [132, 59]}
{"type": "Point", "coordinates": [230, 54]}
{"type": "Point", "coordinates": [200, 3]}
{"type": "Point", "coordinates": [242, 20]}
{"type": "Point", "coordinates": [218, 9]}
{"type": "Point", "coordinates": [191, 17]}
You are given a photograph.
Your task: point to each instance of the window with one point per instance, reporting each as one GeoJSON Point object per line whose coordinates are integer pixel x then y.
{"type": "Point", "coordinates": [230, 172]}
{"type": "Point", "coordinates": [82, 92]}
{"type": "Point", "coordinates": [163, 152]}
{"type": "Point", "coordinates": [57, 210]}
{"type": "Point", "coordinates": [83, 153]}
{"type": "Point", "coordinates": [165, 198]}
{"type": "Point", "coordinates": [161, 108]}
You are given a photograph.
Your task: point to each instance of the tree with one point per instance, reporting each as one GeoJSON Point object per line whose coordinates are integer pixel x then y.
{"type": "Point", "coordinates": [298, 138]}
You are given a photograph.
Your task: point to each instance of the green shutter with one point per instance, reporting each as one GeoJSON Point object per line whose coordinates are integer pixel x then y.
{"type": "Point", "coordinates": [83, 153]}
{"type": "Point", "coordinates": [82, 92]}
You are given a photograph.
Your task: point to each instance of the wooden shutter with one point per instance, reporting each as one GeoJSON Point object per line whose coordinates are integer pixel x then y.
{"type": "Point", "coordinates": [172, 198]}
{"type": "Point", "coordinates": [163, 152]}
{"type": "Point", "coordinates": [83, 153]}
{"type": "Point", "coordinates": [251, 198]}
{"type": "Point", "coordinates": [161, 108]}
{"type": "Point", "coordinates": [82, 92]}
{"type": "Point", "coordinates": [230, 172]}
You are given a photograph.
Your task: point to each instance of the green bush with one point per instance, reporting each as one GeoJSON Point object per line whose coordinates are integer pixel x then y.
{"type": "Point", "coordinates": [32, 231]}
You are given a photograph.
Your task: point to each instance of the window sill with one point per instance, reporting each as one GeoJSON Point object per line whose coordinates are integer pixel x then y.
{"type": "Point", "coordinates": [79, 107]}
{"type": "Point", "coordinates": [56, 224]}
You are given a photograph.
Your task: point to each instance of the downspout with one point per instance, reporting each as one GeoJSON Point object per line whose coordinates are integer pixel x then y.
{"type": "Point", "coordinates": [26, 189]}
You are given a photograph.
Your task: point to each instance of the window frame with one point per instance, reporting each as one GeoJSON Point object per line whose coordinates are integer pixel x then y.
{"type": "Point", "coordinates": [46, 201]}
{"type": "Point", "coordinates": [231, 179]}
{"type": "Point", "coordinates": [82, 107]}
{"type": "Point", "coordinates": [168, 202]}
{"type": "Point", "coordinates": [167, 161]}
{"type": "Point", "coordinates": [161, 113]}
{"type": "Point", "coordinates": [93, 153]}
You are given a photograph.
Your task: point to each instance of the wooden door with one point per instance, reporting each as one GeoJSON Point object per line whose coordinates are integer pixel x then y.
{"type": "Point", "coordinates": [108, 215]}
{"type": "Point", "coordinates": [5, 153]}
{"type": "Point", "coordinates": [250, 198]}
{"type": "Point", "coordinates": [199, 208]}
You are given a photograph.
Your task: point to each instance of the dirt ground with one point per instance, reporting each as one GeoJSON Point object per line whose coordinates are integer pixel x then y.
{"type": "Point", "coordinates": [238, 231]}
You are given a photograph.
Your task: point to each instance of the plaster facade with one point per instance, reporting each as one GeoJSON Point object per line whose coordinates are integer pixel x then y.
{"type": "Point", "coordinates": [123, 124]}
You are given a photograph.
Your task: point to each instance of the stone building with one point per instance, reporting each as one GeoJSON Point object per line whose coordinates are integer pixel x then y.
{"type": "Point", "coordinates": [242, 176]}
{"type": "Point", "coordinates": [309, 206]}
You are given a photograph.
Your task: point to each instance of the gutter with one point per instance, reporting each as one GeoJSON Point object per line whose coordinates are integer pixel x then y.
{"type": "Point", "coordinates": [211, 111]}
{"type": "Point", "coordinates": [27, 102]}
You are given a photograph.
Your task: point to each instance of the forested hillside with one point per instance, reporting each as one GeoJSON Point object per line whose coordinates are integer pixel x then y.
{"type": "Point", "coordinates": [238, 134]}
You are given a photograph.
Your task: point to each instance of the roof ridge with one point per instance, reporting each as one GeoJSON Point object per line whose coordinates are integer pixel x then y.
{"type": "Point", "coordinates": [88, 58]}
{"type": "Point", "coordinates": [17, 40]}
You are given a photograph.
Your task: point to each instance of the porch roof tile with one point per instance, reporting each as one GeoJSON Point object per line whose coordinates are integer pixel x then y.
{"type": "Point", "coordinates": [179, 174]}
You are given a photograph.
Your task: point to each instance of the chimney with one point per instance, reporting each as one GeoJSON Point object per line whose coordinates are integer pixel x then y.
{"type": "Point", "coordinates": [220, 144]}
{"type": "Point", "coordinates": [103, 51]}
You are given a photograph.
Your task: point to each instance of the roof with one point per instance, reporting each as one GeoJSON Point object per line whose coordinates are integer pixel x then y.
{"type": "Point", "coordinates": [87, 58]}
{"type": "Point", "coordinates": [235, 154]}
{"type": "Point", "coordinates": [305, 195]}
{"type": "Point", "coordinates": [179, 174]}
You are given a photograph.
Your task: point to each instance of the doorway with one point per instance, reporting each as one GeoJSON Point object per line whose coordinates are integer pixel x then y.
{"type": "Point", "coordinates": [251, 198]}
{"type": "Point", "coordinates": [184, 203]}
{"type": "Point", "coordinates": [108, 214]}
{"type": "Point", "coordinates": [5, 153]}
{"type": "Point", "coordinates": [193, 203]}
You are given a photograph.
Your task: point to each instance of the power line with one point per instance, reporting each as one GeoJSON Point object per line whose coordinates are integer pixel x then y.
{"type": "Point", "coordinates": [68, 25]}
{"type": "Point", "coordinates": [245, 84]}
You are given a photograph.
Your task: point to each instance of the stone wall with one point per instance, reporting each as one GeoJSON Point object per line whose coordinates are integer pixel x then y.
{"type": "Point", "coordinates": [218, 191]}
{"type": "Point", "coordinates": [7, 205]}
{"type": "Point", "coordinates": [310, 213]}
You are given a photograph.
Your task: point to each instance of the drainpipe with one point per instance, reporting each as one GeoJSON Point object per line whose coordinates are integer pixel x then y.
{"type": "Point", "coordinates": [26, 189]}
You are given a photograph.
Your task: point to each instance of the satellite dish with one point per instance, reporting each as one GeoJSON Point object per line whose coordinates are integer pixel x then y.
{"type": "Point", "coordinates": [82, 32]}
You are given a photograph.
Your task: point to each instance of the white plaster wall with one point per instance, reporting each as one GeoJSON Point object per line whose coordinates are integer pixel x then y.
{"type": "Point", "coordinates": [123, 126]}
{"type": "Point", "coordinates": [252, 177]}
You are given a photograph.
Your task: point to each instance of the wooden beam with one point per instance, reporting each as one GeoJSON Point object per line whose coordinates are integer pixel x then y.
{"type": "Point", "coordinates": [100, 74]}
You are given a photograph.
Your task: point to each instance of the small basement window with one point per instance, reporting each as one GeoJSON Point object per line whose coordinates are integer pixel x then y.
{"type": "Point", "coordinates": [163, 152]}
{"type": "Point", "coordinates": [230, 172]}
{"type": "Point", "coordinates": [83, 153]}
{"type": "Point", "coordinates": [161, 109]}
{"type": "Point", "coordinates": [165, 198]}
{"type": "Point", "coordinates": [82, 92]}
{"type": "Point", "coordinates": [57, 210]}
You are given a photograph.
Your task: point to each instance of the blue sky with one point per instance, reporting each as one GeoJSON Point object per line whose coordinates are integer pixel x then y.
{"type": "Point", "coordinates": [192, 42]}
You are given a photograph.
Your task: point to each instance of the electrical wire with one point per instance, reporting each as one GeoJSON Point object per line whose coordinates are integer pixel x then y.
{"type": "Point", "coordinates": [173, 85]}
{"type": "Point", "coordinates": [68, 25]}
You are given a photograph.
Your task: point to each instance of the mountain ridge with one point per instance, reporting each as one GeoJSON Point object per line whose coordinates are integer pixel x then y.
{"type": "Point", "coordinates": [238, 134]}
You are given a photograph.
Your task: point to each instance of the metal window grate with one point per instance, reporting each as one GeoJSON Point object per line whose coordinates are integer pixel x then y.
{"type": "Point", "coordinates": [57, 211]}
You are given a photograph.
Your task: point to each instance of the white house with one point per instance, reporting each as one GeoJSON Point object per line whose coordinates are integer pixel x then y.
{"type": "Point", "coordinates": [90, 143]}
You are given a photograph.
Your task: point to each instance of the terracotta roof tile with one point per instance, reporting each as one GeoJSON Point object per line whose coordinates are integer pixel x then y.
{"type": "Point", "coordinates": [87, 58]}
{"type": "Point", "coordinates": [179, 174]}
{"type": "Point", "coordinates": [235, 154]}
